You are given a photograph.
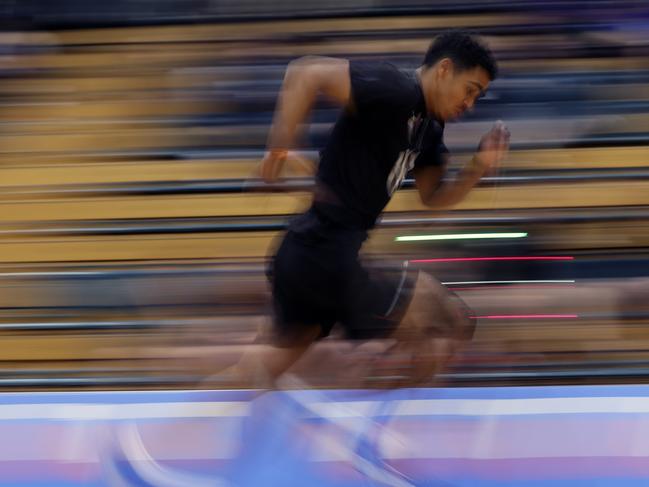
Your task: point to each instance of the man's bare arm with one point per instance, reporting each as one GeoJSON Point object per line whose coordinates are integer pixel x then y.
{"type": "Point", "coordinates": [305, 79]}
{"type": "Point", "coordinates": [436, 193]}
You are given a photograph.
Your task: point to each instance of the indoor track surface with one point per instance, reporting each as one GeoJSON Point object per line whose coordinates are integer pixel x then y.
{"type": "Point", "coordinates": [479, 437]}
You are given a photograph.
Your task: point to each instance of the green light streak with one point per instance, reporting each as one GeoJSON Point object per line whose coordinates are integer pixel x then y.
{"type": "Point", "coordinates": [460, 236]}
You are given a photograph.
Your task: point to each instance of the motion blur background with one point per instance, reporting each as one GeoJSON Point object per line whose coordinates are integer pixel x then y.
{"type": "Point", "coordinates": [132, 244]}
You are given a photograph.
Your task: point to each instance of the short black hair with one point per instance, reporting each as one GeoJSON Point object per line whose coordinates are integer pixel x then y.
{"type": "Point", "coordinates": [465, 49]}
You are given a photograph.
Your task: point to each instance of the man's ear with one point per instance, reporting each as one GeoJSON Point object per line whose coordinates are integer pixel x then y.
{"type": "Point", "coordinates": [445, 68]}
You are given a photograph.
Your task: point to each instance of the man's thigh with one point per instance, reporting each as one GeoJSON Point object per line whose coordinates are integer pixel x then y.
{"type": "Point", "coordinates": [435, 311]}
{"type": "Point", "coordinates": [436, 322]}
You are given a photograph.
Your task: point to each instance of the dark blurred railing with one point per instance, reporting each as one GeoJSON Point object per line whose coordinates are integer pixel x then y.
{"type": "Point", "coordinates": [72, 13]}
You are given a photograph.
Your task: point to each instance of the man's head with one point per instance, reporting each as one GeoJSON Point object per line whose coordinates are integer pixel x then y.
{"type": "Point", "coordinates": [456, 71]}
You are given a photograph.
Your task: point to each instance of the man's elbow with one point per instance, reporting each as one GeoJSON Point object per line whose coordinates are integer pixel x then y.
{"type": "Point", "coordinates": [439, 201]}
{"type": "Point", "coordinates": [321, 75]}
{"type": "Point", "coordinates": [298, 71]}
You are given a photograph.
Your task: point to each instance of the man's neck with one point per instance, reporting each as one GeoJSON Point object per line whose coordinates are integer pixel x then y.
{"type": "Point", "coordinates": [418, 75]}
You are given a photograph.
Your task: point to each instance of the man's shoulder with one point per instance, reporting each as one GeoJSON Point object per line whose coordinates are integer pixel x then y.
{"type": "Point", "coordinates": [382, 84]}
{"type": "Point", "coordinates": [377, 70]}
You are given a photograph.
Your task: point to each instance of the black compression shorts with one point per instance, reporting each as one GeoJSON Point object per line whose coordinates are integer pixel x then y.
{"type": "Point", "coordinates": [317, 279]}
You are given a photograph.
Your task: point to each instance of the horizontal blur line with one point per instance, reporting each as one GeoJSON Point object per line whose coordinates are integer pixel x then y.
{"type": "Point", "coordinates": [229, 269]}
{"type": "Point", "coordinates": [77, 372]}
{"type": "Point", "coordinates": [323, 14]}
{"type": "Point", "coordinates": [219, 186]}
{"type": "Point", "coordinates": [543, 215]}
{"type": "Point", "coordinates": [508, 288]}
{"type": "Point", "coordinates": [251, 152]}
{"type": "Point", "coordinates": [461, 236]}
{"type": "Point", "coordinates": [66, 382]}
{"type": "Point", "coordinates": [149, 226]}
{"type": "Point", "coordinates": [542, 281]}
{"type": "Point", "coordinates": [479, 377]}
{"type": "Point", "coordinates": [148, 229]}
{"type": "Point", "coordinates": [598, 141]}
{"type": "Point", "coordinates": [106, 325]}
{"type": "Point", "coordinates": [555, 364]}
{"type": "Point", "coordinates": [327, 408]}
{"type": "Point", "coordinates": [216, 186]}
{"type": "Point", "coordinates": [494, 407]}
{"type": "Point", "coordinates": [234, 320]}
{"type": "Point", "coordinates": [258, 269]}
{"type": "Point", "coordinates": [523, 317]}
{"type": "Point", "coordinates": [483, 259]}
{"type": "Point", "coordinates": [606, 373]}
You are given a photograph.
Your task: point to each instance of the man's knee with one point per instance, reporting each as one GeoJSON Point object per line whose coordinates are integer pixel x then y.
{"type": "Point", "coordinates": [440, 313]}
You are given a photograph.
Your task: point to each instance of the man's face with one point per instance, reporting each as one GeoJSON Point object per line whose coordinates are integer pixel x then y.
{"type": "Point", "coordinates": [455, 91]}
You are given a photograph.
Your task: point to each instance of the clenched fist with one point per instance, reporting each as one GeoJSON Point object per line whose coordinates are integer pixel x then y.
{"type": "Point", "coordinates": [274, 161]}
{"type": "Point", "coordinates": [493, 148]}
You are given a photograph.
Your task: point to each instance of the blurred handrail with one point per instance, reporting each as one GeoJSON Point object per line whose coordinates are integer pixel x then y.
{"type": "Point", "coordinates": [256, 224]}
{"type": "Point", "coordinates": [220, 186]}
{"type": "Point", "coordinates": [513, 375]}
{"type": "Point", "coordinates": [256, 149]}
{"type": "Point", "coordinates": [585, 319]}
{"type": "Point", "coordinates": [176, 12]}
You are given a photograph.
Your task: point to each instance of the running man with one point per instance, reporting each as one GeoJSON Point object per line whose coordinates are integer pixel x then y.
{"type": "Point", "coordinates": [391, 122]}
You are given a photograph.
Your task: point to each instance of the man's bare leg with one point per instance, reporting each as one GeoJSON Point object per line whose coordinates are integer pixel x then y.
{"type": "Point", "coordinates": [428, 335]}
{"type": "Point", "coordinates": [262, 364]}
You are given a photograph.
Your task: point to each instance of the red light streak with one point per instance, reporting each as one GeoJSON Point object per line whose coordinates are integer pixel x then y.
{"type": "Point", "coordinates": [483, 259]}
{"type": "Point", "coordinates": [524, 317]}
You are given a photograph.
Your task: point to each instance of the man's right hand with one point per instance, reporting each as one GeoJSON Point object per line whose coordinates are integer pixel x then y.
{"type": "Point", "coordinates": [272, 164]}
{"type": "Point", "coordinates": [274, 161]}
{"type": "Point", "coordinates": [494, 146]}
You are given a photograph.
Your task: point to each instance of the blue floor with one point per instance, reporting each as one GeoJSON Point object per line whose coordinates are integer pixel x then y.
{"type": "Point", "coordinates": [478, 437]}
